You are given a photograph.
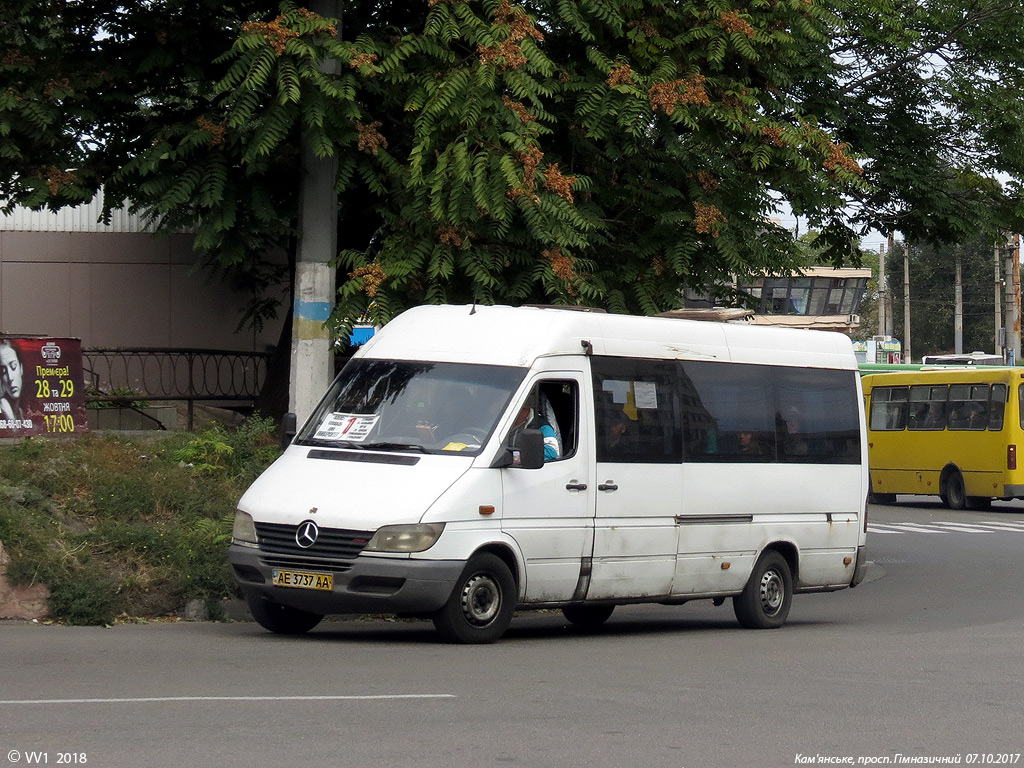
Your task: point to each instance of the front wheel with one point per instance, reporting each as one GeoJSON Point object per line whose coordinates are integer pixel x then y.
{"type": "Point", "coordinates": [480, 607]}
{"type": "Point", "coordinates": [765, 601]}
{"type": "Point", "coordinates": [281, 619]}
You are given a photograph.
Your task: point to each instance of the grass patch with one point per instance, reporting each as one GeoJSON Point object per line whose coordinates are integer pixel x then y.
{"type": "Point", "coordinates": [138, 527]}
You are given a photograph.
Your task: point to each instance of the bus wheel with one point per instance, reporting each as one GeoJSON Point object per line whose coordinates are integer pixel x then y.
{"type": "Point", "coordinates": [954, 495]}
{"type": "Point", "coordinates": [764, 602]}
{"type": "Point", "coordinates": [281, 619]}
{"type": "Point", "coordinates": [587, 616]}
{"type": "Point", "coordinates": [480, 607]}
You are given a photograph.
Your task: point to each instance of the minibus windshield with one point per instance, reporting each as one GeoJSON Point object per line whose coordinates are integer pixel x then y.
{"type": "Point", "coordinates": [403, 405]}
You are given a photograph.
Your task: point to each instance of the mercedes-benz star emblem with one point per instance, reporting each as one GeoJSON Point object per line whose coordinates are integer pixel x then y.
{"type": "Point", "coordinates": [306, 533]}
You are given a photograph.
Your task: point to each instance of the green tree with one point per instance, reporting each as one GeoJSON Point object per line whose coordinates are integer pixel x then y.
{"type": "Point", "coordinates": [933, 300]}
{"type": "Point", "coordinates": [929, 93]}
{"type": "Point", "coordinates": [602, 152]}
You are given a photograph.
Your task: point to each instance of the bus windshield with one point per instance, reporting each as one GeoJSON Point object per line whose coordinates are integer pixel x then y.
{"type": "Point", "coordinates": [400, 405]}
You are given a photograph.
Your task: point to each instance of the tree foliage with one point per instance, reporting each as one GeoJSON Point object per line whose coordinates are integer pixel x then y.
{"type": "Point", "coordinates": [603, 152]}
{"type": "Point", "coordinates": [933, 297]}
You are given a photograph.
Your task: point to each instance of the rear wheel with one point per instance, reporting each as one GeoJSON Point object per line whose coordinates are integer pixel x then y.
{"type": "Point", "coordinates": [480, 607]}
{"type": "Point", "coordinates": [588, 616]}
{"type": "Point", "coordinates": [765, 601]}
{"type": "Point", "coordinates": [282, 619]}
{"type": "Point", "coordinates": [954, 495]}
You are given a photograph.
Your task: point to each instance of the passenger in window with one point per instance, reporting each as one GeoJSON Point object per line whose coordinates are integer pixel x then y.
{"type": "Point", "coordinates": [617, 442]}
{"type": "Point", "coordinates": [934, 416]}
{"type": "Point", "coordinates": [795, 442]}
{"type": "Point", "coordinates": [748, 445]}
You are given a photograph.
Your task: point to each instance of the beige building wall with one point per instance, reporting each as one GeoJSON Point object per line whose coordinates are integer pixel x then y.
{"type": "Point", "coordinates": [116, 288]}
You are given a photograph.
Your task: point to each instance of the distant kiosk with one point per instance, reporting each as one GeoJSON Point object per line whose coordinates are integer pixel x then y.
{"type": "Point", "coordinates": [973, 358]}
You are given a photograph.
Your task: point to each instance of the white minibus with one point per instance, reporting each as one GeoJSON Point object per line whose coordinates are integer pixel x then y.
{"type": "Point", "coordinates": [469, 461]}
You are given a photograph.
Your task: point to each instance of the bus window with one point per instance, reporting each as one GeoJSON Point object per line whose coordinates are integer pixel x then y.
{"type": "Point", "coordinates": [997, 405]}
{"type": "Point", "coordinates": [889, 409]}
{"type": "Point", "coordinates": [928, 407]}
{"type": "Point", "coordinates": [637, 411]}
{"type": "Point", "coordinates": [968, 406]}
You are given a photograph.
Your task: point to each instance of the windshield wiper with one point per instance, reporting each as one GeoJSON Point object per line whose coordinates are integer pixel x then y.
{"type": "Point", "coordinates": [384, 446]}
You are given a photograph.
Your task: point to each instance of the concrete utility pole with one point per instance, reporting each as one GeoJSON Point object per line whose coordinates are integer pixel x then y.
{"type": "Point", "coordinates": [958, 310]}
{"type": "Point", "coordinates": [999, 340]}
{"type": "Point", "coordinates": [907, 354]}
{"type": "Point", "coordinates": [1012, 299]}
{"type": "Point", "coordinates": [312, 358]}
{"type": "Point", "coordinates": [890, 315]}
{"type": "Point", "coordinates": [881, 289]}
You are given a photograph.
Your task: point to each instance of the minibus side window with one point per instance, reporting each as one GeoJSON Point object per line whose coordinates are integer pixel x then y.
{"type": "Point", "coordinates": [928, 407]}
{"type": "Point", "coordinates": [637, 410]}
{"type": "Point", "coordinates": [739, 403]}
{"type": "Point", "coordinates": [769, 413]}
{"type": "Point", "coordinates": [816, 416]}
{"type": "Point", "coordinates": [997, 406]}
{"type": "Point", "coordinates": [889, 408]}
{"type": "Point", "coordinates": [557, 403]}
{"type": "Point", "coordinates": [968, 407]}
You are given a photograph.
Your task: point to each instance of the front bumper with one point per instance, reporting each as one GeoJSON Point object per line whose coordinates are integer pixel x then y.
{"type": "Point", "coordinates": [366, 584]}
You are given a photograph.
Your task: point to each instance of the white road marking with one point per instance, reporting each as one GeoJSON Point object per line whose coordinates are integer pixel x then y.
{"type": "Point", "coordinates": [946, 526]}
{"type": "Point", "coordinates": [160, 699]}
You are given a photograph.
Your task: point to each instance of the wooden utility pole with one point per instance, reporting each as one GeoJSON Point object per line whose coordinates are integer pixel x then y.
{"type": "Point", "coordinates": [907, 354]}
{"type": "Point", "coordinates": [958, 310]}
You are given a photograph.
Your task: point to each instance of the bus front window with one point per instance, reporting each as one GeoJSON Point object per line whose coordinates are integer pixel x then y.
{"type": "Point", "coordinates": [429, 407]}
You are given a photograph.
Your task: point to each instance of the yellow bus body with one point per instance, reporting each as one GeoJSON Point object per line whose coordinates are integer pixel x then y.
{"type": "Point", "coordinates": [965, 466]}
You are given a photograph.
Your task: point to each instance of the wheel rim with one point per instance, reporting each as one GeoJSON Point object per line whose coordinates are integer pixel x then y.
{"type": "Point", "coordinates": [772, 592]}
{"type": "Point", "coordinates": [481, 600]}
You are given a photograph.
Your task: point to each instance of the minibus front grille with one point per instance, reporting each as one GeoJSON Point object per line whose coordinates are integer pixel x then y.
{"type": "Point", "coordinates": [330, 544]}
{"type": "Point", "coordinates": [308, 563]}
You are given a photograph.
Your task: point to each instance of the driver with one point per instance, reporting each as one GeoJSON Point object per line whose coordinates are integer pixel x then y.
{"type": "Point", "coordinates": [528, 418]}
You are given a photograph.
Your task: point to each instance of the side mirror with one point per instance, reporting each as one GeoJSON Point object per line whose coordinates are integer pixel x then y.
{"type": "Point", "coordinates": [528, 449]}
{"type": "Point", "coordinates": [288, 429]}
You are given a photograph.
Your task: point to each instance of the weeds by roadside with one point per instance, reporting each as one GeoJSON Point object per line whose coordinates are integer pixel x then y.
{"type": "Point", "coordinates": [115, 526]}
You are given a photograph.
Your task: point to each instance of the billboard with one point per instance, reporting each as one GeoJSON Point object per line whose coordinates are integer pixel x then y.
{"type": "Point", "coordinates": [41, 387]}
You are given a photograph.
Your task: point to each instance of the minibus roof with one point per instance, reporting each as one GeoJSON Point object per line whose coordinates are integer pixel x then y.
{"type": "Point", "coordinates": [517, 336]}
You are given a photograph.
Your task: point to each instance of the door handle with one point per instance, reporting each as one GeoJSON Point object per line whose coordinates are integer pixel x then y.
{"type": "Point", "coordinates": [576, 487]}
{"type": "Point", "coordinates": [609, 486]}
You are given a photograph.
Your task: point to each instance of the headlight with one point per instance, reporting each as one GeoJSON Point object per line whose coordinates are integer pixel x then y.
{"type": "Point", "coordinates": [405, 538]}
{"type": "Point", "coordinates": [244, 530]}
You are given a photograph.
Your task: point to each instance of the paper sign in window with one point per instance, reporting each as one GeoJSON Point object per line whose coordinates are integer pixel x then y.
{"type": "Point", "coordinates": [346, 426]}
{"type": "Point", "coordinates": [645, 394]}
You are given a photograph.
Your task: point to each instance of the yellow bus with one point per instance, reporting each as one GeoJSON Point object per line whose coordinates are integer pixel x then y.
{"type": "Point", "coordinates": [953, 432]}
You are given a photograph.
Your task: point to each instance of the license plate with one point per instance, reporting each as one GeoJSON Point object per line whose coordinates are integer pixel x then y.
{"type": "Point", "coordinates": [303, 580]}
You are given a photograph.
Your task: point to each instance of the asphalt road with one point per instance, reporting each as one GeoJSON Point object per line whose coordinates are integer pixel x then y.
{"type": "Point", "coordinates": [923, 660]}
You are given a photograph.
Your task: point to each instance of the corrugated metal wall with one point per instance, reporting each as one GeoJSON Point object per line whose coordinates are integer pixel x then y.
{"type": "Point", "coordinates": [82, 218]}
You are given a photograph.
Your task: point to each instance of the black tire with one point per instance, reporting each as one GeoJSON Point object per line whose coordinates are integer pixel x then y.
{"type": "Point", "coordinates": [481, 605]}
{"type": "Point", "coordinates": [954, 496]}
{"type": "Point", "coordinates": [587, 616]}
{"type": "Point", "coordinates": [281, 619]}
{"type": "Point", "coordinates": [765, 601]}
